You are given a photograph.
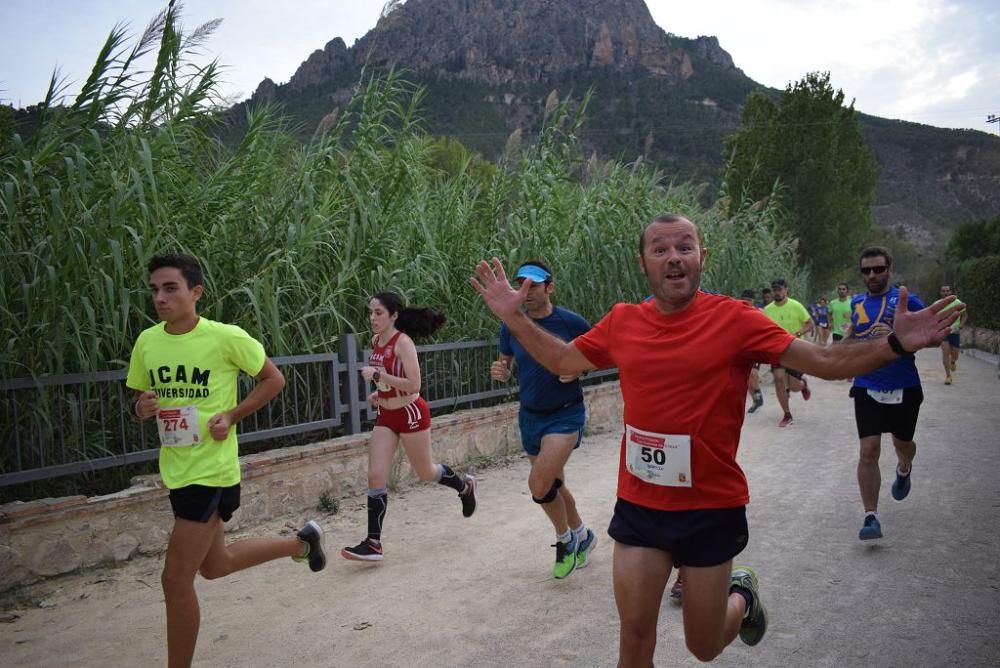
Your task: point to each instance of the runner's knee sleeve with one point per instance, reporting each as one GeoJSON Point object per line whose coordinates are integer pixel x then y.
{"type": "Point", "coordinates": [552, 493]}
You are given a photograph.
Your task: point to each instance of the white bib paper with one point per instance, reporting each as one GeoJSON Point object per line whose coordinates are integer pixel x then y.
{"type": "Point", "coordinates": [178, 427]}
{"type": "Point", "coordinates": [886, 396]}
{"type": "Point", "coordinates": [660, 459]}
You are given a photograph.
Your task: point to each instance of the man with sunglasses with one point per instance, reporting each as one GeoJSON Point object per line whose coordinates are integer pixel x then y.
{"type": "Point", "coordinates": [551, 417]}
{"type": "Point", "coordinates": [886, 399]}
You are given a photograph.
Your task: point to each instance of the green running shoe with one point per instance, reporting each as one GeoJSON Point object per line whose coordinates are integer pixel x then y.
{"type": "Point", "coordinates": [755, 621]}
{"type": "Point", "coordinates": [565, 559]}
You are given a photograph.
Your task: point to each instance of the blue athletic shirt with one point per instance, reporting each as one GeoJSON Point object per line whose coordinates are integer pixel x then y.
{"type": "Point", "coordinates": [823, 316]}
{"type": "Point", "coordinates": [540, 389]}
{"type": "Point", "coordinates": [866, 311]}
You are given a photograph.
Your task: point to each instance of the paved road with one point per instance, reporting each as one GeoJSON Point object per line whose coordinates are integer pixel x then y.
{"type": "Point", "coordinates": [456, 592]}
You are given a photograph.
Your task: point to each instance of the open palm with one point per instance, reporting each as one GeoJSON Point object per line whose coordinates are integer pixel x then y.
{"type": "Point", "coordinates": [501, 298]}
{"type": "Point", "coordinates": [927, 327]}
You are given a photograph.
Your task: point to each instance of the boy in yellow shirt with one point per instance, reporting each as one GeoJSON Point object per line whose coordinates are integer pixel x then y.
{"type": "Point", "coordinates": [184, 372]}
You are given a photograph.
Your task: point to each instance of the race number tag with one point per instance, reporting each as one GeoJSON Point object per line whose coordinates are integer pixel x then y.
{"type": "Point", "coordinates": [660, 459]}
{"type": "Point", "coordinates": [178, 426]}
{"type": "Point", "coordinates": [886, 396]}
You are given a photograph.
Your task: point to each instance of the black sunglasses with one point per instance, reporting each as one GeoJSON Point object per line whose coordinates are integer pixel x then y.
{"type": "Point", "coordinates": [874, 270]}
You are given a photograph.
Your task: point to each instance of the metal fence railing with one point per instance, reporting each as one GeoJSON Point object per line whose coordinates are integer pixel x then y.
{"type": "Point", "coordinates": [60, 425]}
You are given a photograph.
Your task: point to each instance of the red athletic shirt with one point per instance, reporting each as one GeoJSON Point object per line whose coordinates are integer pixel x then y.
{"type": "Point", "coordinates": [385, 357]}
{"type": "Point", "coordinates": [687, 373]}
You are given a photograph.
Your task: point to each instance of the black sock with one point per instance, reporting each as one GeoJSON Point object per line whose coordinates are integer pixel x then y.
{"type": "Point", "coordinates": [451, 479]}
{"type": "Point", "coordinates": [377, 506]}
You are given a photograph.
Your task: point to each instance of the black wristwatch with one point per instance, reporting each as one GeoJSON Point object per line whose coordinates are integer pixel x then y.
{"type": "Point", "coordinates": [377, 376]}
{"type": "Point", "coordinates": [896, 346]}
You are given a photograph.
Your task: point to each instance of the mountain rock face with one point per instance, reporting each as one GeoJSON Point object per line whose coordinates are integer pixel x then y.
{"type": "Point", "coordinates": [489, 65]}
{"type": "Point", "coordinates": [500, 41]}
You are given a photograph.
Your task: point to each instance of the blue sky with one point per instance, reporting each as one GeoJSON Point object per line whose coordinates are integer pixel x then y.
{"type": "Point", "coordinates": [929, 61]}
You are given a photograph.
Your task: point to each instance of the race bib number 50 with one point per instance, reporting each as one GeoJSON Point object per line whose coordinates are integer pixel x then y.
{"type": "Point", "coordinates": [660, 459]}
{"type": "Point", "coordinates": [178, 426]}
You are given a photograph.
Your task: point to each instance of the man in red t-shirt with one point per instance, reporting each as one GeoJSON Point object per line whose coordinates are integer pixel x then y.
{"type": "Point", "coordinates": [684, 359]}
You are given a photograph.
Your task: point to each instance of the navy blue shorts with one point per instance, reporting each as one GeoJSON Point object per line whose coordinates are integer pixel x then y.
{"type": "Point", "coordinates": [535, 425]}
{"type": "Point", "coordinates": [198, 503]}
{"type": "Point", "coordinates": [954, 339]}
{"type": "Point", "coordinates": [696, 538]}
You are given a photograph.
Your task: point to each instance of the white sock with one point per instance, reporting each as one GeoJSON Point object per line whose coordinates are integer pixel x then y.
{"type": "Point", "coordinates": [564, 537]}
{"type": "Point", "coordinates": [900, 473]}
{"type": "Point", "coordinates": [581, 532]}
{"type": "Point", "coordinates": [873, 513]}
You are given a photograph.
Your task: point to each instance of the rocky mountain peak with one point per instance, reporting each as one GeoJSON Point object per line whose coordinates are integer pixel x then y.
{"type": "Point", "coordinates": [500, 41]}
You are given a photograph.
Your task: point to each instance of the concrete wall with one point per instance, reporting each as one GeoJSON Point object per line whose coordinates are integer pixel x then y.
{"type": "Point", "coordinates": [50, 537]}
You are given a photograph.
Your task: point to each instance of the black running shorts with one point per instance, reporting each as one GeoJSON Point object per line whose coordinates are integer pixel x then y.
{"type": "Point", "coordinates": [697, 538]}
{"type": "Point", "coordinates": [875, 419]}
{"type": "Point", "coordinates": [198, 503]}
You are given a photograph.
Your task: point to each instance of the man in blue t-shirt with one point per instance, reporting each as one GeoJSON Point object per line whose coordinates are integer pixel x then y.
{"type": "Point", "coordinates": [887, 399]}
{"type": "Point", "coordinates": [551, 417]}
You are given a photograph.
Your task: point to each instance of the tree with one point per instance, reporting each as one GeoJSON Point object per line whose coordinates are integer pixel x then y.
{"type": "Point", "coordinates": [808, 148]}
{"type": "Point", "coordinates": [975, 240]}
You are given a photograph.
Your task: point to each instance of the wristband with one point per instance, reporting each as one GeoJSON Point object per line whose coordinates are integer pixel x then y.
{"type": "Point", "coordinates": [135, 410]}
{"type": "Point", "coordinates": [896, 346]}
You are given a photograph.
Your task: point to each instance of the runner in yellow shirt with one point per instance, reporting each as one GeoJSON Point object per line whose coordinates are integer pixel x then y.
{"type": "Point", "coordinates": [184, 373]}
{"type": "Point", "coordinates": [793, 317]}
{"type": "Point", "coordinates": [951, 346]}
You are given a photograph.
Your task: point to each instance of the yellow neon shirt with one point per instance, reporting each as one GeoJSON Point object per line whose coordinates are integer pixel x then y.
{"type": "Point", "coordinates": [790, 316]}
{"type": "Point", "coordinates": [197, 369]}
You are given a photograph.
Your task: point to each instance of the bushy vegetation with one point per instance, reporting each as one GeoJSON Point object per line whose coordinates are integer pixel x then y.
{"type": "Point", "coordinates": [974, 259]}
{"type": "Point", "coordinates": [295, 237]}
{"type": "Point", "coordinates": [810, 146]}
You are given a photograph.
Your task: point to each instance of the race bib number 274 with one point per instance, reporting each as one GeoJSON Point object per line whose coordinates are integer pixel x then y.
{"type": "Point", "coordinates": [178, 426]}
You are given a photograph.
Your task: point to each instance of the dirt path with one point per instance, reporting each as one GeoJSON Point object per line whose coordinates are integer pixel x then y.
{"type": "Point", "coordinates": [477, 592]}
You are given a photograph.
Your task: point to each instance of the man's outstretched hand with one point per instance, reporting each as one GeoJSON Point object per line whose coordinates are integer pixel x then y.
{"type": "Point", "coordinates": [496, 290]}
{"type": "Point", "coordinates": [927, 327]}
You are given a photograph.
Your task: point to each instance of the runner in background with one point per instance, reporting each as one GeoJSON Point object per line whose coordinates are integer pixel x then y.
{"type": "Point", "coordinates": [951, 346]}
{"type": "Point", "coordinates": [403, 415]}
{"type": "Point", "coordinates": [551, 417]}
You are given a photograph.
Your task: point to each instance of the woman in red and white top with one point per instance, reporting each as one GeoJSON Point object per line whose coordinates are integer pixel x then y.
{"type": "Point", "coordinates": [403, 415]}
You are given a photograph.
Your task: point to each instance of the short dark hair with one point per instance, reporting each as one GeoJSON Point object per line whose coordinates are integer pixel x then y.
{"type": "Point", "coordinates": [779, 283]}
{"type": "Point", "coordinates": [845, 285]}
{"type": "Point", "coordinates": [663, 218]}
{"type": "Point", "coordinates": [747, 294]}
{"type": "Point", "coordinates": [413, 321]}
{"type": "Point", "coordinates": [188, 266]}
{"type": "Point", "coordinates": [877, 251]}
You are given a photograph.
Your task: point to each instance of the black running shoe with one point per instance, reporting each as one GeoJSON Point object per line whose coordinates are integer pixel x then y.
{"type": "Point", "coordinates": [468, 497]}
{"type": "Point", "coordinates": [366, 550]}
{"type": "Point", "coordinates": [312, 535]}
{"type": "Point", "coordinates": [677, 591]}
{"type": "Point", "coordinates": [755, 621]}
